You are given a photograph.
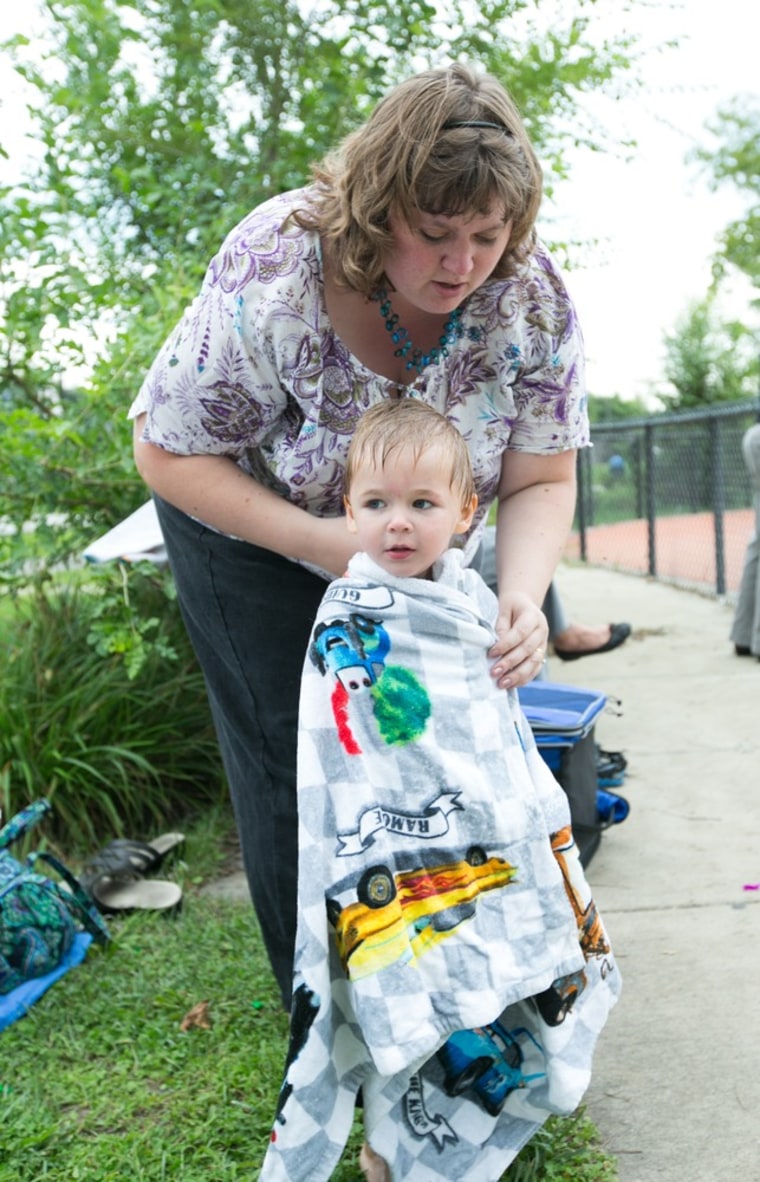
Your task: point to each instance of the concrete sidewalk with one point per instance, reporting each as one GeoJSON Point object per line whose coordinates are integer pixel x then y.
{"type": "Point", "coordinates": [676, 1089]}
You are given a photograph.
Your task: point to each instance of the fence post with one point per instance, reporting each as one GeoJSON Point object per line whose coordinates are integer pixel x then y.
{"type": "Point", "coordinates": [719, 503]}
{"type": "Point", "coordinates": [651, 507]}
{"type": "Point", "coordinates": [580, 465]}
{"type": "Point", "coordinates": [638, 476]}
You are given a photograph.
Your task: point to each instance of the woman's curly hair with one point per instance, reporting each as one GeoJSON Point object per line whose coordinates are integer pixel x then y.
{"type": "Point", "coordinates": [419, 152]}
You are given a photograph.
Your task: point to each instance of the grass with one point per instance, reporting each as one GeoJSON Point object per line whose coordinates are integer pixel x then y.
{"type": "Point", "coordinates": [99, 1083]}
{"type": "Point", "coordinates": [113, 753]}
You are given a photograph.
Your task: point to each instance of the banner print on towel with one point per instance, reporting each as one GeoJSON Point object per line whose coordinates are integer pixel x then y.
{"type": "Point", "coordinates": [450, 961]}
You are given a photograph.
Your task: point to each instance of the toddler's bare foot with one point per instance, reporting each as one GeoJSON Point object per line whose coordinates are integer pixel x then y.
{"type": "Point", "coordinates": [373, 1166]}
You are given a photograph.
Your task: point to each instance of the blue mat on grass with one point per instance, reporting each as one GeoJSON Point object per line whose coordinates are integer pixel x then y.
{"type": "Point", "coordinates": [15, 1004]}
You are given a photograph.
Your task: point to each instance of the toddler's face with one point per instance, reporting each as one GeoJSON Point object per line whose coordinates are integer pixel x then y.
{"type": "Point", "coordinates": [405, 513]}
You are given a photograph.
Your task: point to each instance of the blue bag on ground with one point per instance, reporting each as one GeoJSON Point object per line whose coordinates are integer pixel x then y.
{"type": "Point", "coordinates": [39, 917]}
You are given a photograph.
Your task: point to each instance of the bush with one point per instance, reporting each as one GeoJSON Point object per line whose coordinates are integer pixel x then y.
{"type": "Point", "coordinates": [102, 706]}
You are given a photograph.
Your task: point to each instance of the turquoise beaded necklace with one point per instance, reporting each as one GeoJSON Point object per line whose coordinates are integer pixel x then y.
{"type": "Point", "coordinates": [453, 331]}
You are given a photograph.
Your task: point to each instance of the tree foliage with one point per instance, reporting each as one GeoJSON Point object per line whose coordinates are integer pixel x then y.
{"type": "Point", "coordinates": [614, 409]}
{"type": "Point", "coordinates": [708, 360]}
{"type": "Point", "coordinates": [735, 160]}
{"type": "Point", "coordinates": [163, 122]}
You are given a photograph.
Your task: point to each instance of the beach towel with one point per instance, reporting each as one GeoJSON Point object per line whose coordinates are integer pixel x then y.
{"type": "Point", "coordinates": [450, 961]}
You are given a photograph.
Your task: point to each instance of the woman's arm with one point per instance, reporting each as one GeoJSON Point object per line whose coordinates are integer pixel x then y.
{"type": "Point", "coordinates": [216, 491]}
{"type": "Point", "coordinates": [536, 501]}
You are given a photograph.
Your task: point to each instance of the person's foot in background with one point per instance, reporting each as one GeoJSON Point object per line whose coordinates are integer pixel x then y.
{"type": "Point", "coordinates": [583, 640]}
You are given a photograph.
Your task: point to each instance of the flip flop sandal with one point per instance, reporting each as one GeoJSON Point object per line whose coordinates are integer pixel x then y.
{"type": "Point", "coordinates": [145, 856]}
{"type": "Point", "coordinates": [113, 876]}
{"type": "Point", "coordinates": [118, 894]}
{"type": "Point", "coordinates": [125, 856]}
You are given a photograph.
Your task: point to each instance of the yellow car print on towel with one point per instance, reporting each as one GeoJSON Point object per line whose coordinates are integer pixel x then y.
{"type": "Point", "coordinates": [399, 916]}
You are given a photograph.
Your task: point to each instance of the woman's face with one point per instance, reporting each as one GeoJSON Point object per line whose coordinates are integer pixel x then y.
{"type": "Point", "coordinates": [437, 261]}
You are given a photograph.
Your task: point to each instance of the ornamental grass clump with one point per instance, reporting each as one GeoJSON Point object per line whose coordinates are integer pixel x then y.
{"type": "Point", "coordinates": [102, 707]}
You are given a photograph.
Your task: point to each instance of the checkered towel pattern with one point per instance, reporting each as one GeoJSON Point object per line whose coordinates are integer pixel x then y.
{"type": "Point", "coordinates": [445, 925]}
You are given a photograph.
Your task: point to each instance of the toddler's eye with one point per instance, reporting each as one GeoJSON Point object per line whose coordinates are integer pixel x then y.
{"type": "Point", "coordinates": [423, 503]}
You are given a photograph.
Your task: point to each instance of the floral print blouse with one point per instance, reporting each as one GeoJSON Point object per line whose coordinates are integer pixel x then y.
{"type": "Point", "coordinates": [255, 371]}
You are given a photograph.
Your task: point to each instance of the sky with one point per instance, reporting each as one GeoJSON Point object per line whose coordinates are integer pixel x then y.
{"type": "Point", "coordinates": [655, 221]}
{"type": "Point", "coordinates": [651, 221]}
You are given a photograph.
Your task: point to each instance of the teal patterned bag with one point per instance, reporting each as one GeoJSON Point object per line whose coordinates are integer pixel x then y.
{"type": "Point", "coordinates": [39, 916]}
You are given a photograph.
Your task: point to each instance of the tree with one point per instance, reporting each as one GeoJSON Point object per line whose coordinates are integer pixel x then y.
{"type": "Point", "coordinates": [708, 360]}
{"type": "Point", "coordinates": [736, 161]}
{"type": "Point", "coordinates": [614, 409]}
{"type": "Point", "coordinates": [163, 122]}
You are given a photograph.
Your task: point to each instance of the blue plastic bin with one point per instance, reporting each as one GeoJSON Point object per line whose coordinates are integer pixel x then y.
{"type": "Point", "coordinates": [560, 715]}
{"type": "Point", "coordinates": [562, 719]}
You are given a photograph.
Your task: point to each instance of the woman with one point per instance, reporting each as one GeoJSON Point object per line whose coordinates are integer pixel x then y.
{"type": "Point", "coordinates": [409, 267]}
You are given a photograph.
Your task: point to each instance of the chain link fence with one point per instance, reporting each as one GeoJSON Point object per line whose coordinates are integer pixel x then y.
{"type": "Point", "coordinates": [669, 497]}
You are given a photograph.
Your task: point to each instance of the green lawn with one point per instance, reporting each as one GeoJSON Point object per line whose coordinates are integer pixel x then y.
{"type": "Point", "coordinates": [99, 1082]}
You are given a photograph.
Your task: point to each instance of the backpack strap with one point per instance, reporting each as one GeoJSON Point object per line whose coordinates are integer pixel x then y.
{"type": "Point", "coordinates": [75, 898]}
{"type": "Point", "coordinates": [23, 822]}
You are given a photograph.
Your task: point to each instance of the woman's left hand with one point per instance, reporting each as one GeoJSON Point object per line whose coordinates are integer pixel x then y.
{"type": "Point", "coordinates": [522, 635]}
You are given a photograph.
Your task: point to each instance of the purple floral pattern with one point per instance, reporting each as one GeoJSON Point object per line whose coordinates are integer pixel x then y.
{"type": "Point", "coordinates": [255, 371]}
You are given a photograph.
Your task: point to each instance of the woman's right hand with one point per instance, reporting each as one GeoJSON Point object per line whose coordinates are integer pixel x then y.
{"type": "Point", "coordinates": [522, 634]}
